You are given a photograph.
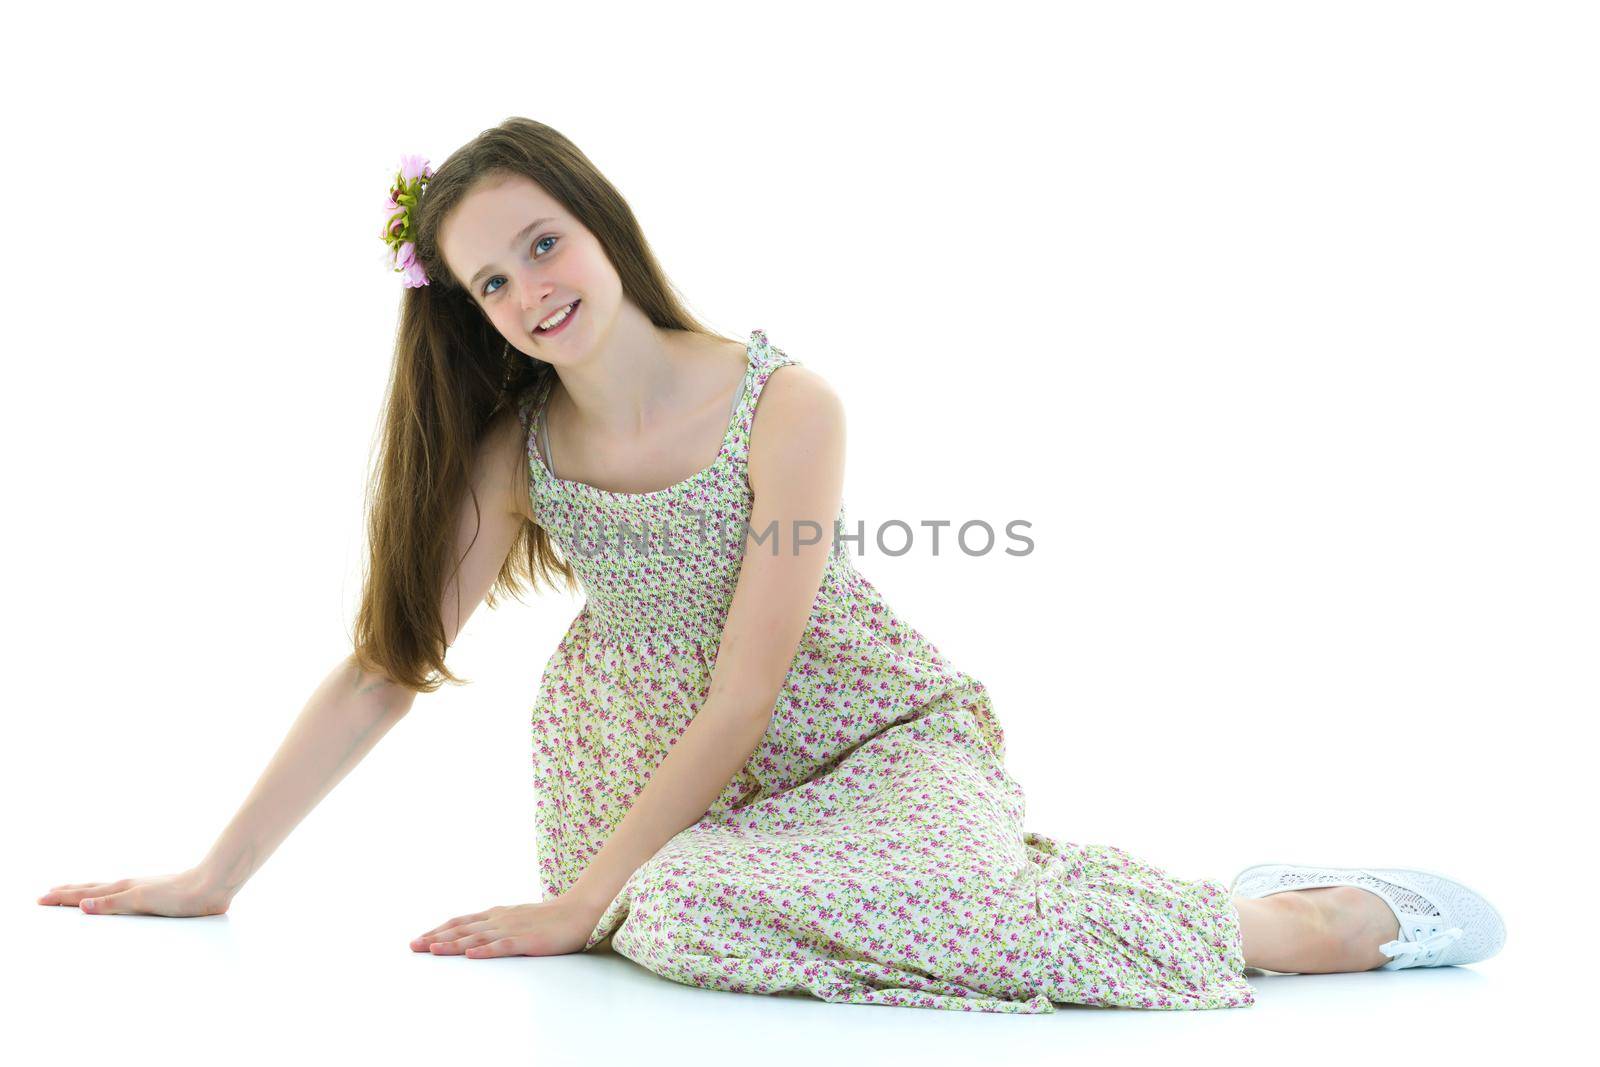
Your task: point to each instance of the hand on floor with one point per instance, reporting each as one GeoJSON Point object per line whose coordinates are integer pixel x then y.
{"type": "Point", "coordinates": [548, 928]}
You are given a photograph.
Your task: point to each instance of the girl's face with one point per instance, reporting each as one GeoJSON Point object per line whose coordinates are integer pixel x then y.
{"type": "Point", "coordinates": [522, 258]}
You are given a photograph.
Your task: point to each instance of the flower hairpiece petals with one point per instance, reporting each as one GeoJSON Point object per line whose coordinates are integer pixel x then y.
{"type": "Point", "coordinates": [404, 195]}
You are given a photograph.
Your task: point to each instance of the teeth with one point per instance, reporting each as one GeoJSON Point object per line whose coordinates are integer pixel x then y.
{"type": "Point", "coordinates": [555, 320]}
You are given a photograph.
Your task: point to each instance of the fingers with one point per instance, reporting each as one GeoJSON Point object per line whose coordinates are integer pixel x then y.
{"type": "Point", "coordinates": [450, 936]}
{"type": "Point", "coordinates": [447, 930]}
{"type": "Point", "coordinates": [447, 947]}
{"type": "Point", "coordinates": [504, 946]}
{"type": "Point", "coordinates": [472, 935]}
{"type": "Point", "coordinates": [478, 946]}
{"type": "Point", "coordinates": [443, 934]}
{"type": "Point", "coordinates": [74, 892]}
{"type": "Point", "coordinates": [438, 933]}
{"type": "Point", "coordinates": [445, 927]}
{"type": "Point", "coordinates": [114, 904]}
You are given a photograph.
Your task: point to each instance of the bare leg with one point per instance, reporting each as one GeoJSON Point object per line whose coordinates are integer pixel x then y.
{"type": "Point", "coordinates": [1316, 931]}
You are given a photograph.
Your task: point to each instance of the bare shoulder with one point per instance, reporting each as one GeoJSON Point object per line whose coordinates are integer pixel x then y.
{"type": "Point", "coordinates": [796, 389]}
{"type": "Point", "coordinates": [500, 467]}
{"type": "Point", "coordinates": [799, 423]}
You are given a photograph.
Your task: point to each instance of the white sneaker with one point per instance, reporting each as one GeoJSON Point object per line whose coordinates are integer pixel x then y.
{"type": "Point", "coordinates": [1442, 922]}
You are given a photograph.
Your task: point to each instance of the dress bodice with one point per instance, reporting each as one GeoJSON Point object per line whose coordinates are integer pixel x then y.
{"type": "Point", "coordinates": [663, 562]}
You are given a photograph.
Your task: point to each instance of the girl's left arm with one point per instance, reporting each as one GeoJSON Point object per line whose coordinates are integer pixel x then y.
{"type": "Point", "coordinates": [796, 476]}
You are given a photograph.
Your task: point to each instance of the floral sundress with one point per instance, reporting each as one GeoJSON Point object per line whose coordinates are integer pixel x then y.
{"type": "Point", "coordinates": [871, 850]}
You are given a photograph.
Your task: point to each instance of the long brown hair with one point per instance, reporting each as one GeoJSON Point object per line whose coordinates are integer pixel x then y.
{"type": "Point", "coordinates": [453, 374]}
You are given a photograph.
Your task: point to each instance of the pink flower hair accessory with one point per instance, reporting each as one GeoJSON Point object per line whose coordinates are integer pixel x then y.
{"type": "Point", "coordinates": [404, 196]}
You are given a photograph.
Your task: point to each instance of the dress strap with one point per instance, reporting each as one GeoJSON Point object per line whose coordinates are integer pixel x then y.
{"type": "Point", "coordinates": [536, 442]}
{"type": "Point", "coordinates": [544, 440]}
{"type": "Point", "coordinates": [764, 359]}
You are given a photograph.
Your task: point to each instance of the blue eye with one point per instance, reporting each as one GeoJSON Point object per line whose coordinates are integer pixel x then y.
{"type": "Point", "coordinates": [547, 237]}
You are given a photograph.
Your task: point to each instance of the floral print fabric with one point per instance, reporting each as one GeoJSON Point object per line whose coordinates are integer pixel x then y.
{"type": "Point", "coordinates": [871, 850]}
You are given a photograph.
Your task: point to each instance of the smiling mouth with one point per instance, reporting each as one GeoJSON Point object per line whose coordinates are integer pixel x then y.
{"type": "Point", "coordinates": [572, 313]}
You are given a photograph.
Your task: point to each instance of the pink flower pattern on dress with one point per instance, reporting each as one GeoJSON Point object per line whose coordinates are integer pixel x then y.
{"type": "Point", "coordinates": [871, 850]}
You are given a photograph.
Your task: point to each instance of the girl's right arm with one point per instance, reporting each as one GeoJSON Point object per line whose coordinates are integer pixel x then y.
{"type": "Point", "coordinates": [344, 719]}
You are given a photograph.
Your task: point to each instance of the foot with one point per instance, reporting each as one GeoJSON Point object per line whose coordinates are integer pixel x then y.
{"type": "Point", "coordinates": [1441, 923]}
{"type": "Point", "coordinates": [1358, 921]}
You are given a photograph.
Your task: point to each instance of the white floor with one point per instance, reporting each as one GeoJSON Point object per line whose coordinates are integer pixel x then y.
{"type": "Point", "coordinates": [243, 988]}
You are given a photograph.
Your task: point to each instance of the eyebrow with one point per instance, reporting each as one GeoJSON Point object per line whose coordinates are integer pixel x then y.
{"type": "Point", "coordinates": [522, 235]}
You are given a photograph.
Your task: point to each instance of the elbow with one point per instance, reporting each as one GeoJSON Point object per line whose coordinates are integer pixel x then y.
{"type": "Point", "coordinates": [754, 701]}
{"type": "Point", "coordinates": [364, 681]}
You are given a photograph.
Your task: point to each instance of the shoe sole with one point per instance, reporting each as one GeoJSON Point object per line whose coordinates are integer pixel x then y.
{"type": "Point", "coordinates": [1480, 921]}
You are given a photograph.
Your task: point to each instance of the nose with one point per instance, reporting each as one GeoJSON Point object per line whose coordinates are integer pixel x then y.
{"type": "Point", "coordinates": [532, 291]}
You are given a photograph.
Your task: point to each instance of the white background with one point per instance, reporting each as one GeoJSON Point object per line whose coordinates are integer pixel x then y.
{"type": "Point", "coordinates": [1277, 321]}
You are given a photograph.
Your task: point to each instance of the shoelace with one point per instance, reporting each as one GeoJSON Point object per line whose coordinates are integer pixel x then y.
{"type": "Point", "coordinates": [1424, 948]}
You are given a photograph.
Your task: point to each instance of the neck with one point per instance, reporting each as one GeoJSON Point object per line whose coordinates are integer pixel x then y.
{"type": "Point", "coordinates": [621, 389]}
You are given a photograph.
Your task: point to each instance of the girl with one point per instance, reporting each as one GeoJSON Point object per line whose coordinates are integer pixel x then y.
{"type": "Point", "coordinates": [751, 773]}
